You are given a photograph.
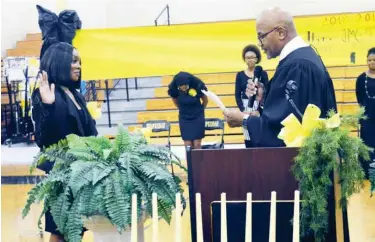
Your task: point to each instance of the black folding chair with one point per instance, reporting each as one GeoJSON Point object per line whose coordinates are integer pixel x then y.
{"type": "Point", "coordinates": [215, 124]}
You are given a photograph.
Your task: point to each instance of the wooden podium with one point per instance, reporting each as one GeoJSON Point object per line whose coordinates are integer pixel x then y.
{"type": "Point", "coordinates": [237, 172]}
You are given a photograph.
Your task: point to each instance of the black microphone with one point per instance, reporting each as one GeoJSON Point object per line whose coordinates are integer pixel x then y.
{"type": "Point", "coordinates": [257, 78]}
{"type": "Point", "coordinates": [290, 89]}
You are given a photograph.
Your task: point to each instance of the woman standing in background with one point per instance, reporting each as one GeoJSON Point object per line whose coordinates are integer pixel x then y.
{"type": "Point", "coordinates": [252, 56]}
{"type": "Point", "coordinates": [186, 93]}
{"type": "Point", "coordinates": [365, 90]}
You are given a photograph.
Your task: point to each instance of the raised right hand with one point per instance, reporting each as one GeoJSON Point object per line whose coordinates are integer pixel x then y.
{"type": "Point", "coordinates": [47, 92]}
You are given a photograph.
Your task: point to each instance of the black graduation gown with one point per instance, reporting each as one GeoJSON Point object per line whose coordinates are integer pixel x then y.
{"type": "Point", "coordinates": [314, 84]}
{"type": "Point", "coordinates": [54, 122]}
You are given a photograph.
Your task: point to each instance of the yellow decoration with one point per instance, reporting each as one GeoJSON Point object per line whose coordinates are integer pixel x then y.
{"type": "Point", "coordinates": [294, 133]}
{"type": "Point", "coordinates": [192, 92]}
{"type": "Point", "coordinates": [147, 132]}
{"type": "Point", "coordinates": [94, 110]}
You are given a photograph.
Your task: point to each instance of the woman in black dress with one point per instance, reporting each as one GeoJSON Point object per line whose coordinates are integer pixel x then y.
{"type": "Point", "coordinates": [186, 93]}
{"type": "Point", "coordinates": [252, 56]}
{"type": "Point", "coordinates": [365, 90]}
{"type": "Point", "coordinates": [58, 108]}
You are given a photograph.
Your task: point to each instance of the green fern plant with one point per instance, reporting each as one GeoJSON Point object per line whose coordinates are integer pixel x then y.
{"type": "Point", "coordinates": [95, 176]}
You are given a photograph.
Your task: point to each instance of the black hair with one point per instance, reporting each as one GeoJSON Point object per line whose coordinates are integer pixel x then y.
{"type": "Point", "coordinates": [57, 62]}
{"type": "Point", "coordinates": [56, 55]}
{"type": "Point", "coordinates": [252, 48]}
{"type": "Point", "coordinates": [185, 78]}
{"type": "Point", "coordinates": [371, 51]}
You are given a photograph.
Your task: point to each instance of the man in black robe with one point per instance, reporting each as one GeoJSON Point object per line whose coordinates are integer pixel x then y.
{"type": "Point", "coordinates": [277, 36]}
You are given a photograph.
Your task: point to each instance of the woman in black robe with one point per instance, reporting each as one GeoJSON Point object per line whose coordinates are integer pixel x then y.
{"type": "Point", "coordinates": [186, 93]}
{"type": "Point", "coordinates": [365, 90]}
{"type": "Point", "coordinates": [58, 108]}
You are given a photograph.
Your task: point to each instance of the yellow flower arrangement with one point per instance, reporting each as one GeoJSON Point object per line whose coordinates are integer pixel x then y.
{"type": "Point", "coordinates": [192, 92]}
{"type": "Point", "coordinates": [294, 133]}
{"type": "Point", "coordinates": [325, 145]}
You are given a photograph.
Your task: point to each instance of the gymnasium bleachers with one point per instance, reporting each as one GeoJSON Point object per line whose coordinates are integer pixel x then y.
{"type": "Point", "coordinates": [161, 106]}
{"type": "Point", "coordinates": [157, 104]}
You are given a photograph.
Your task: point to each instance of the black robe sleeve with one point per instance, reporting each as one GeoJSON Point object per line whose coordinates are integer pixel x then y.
{"type": "Point", "coordinates": [265, 82]}
{"type": "Point", "coordinates": [265, 77]}
{"type": "Point", "coordinates": [237, 93]}
{"type": "Point", "coordinates": [313, 86]}
{"type": "Point", "coordinates": [43, 117]}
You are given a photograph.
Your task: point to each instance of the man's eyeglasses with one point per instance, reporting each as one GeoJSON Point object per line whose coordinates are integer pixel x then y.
{"type": "Point", "coordinates": [262, 36]}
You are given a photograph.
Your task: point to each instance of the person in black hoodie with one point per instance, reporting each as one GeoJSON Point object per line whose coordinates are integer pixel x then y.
{"type": "Point", "coordinates": [58, 109]}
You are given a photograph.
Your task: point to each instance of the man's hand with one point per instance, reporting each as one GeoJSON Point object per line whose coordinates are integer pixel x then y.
{"type": "Point", "coordinates": [234, 117]}
{"type": "Point", "coordinates": [255, 113]}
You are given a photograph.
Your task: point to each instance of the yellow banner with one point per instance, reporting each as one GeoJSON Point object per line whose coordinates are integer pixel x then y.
{"type": "Point", "coordinates": [340, 39]}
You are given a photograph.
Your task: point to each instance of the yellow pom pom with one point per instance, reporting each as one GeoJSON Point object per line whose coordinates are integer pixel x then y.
{"type": "Point", "coordinates": [192, 92]}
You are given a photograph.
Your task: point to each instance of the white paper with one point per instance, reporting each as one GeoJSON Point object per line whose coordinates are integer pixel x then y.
{"type": "Point", "coordinates": [215, 99]}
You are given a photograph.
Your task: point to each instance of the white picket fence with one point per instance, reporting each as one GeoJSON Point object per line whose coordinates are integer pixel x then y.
{"type": "Point", "coordinates": [223, 222]}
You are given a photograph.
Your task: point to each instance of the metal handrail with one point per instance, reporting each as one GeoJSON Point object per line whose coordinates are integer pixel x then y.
{"type": "Point", "coordinates": [166, 8]}
{"type": "Point", "coordinates": [108, 104]}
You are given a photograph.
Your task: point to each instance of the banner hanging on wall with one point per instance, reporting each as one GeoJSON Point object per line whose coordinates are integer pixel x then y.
{"type": "Point", "coordinates": [341, 39]}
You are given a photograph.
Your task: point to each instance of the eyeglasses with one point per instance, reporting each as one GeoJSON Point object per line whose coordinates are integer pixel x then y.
{"type": "Point", "coordinates": [262, 36]}
{"type": "Point", "coordinates": [251, 58]}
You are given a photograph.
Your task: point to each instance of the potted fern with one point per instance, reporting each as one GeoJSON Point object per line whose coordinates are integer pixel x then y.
{"type": "Point", "coordinates": [94, 177]}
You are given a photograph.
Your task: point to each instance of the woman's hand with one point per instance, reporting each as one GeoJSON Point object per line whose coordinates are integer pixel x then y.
{"type": "Point", "coordinates": [205, 101]}
{"type": "Point", "coordinates": [47, 93]}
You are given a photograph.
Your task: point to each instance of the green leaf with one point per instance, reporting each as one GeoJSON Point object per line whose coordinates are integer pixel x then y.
{"type": "Point", "coordinates": [106, 153]}
{"type": "Point", "coordinates": [82, 174]}
{"type": "Point", "coordinates": [74, 224]}
{"type": "Point", "coordinates": [100, 172]}
{"type": "Point", "coordinates": [59, 208]}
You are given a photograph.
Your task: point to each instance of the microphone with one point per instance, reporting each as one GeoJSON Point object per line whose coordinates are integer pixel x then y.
{"type": "Point", "coordinates": [257, 78]}
{"type": "Point", "coordinates": [290, 89]}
